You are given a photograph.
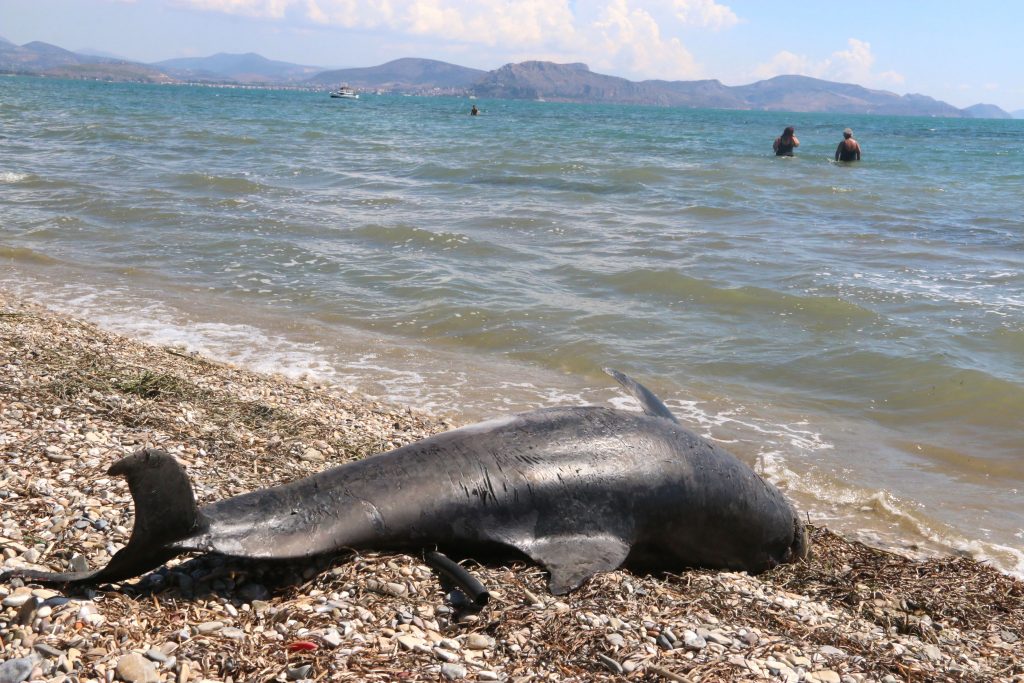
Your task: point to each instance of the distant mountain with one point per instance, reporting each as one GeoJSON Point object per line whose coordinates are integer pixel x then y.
{"type": "Point", "coordinates": [50, 60]}
{"type": "Point", "coordinates": [987, 111]}
{"type": "Point", "coordinates": [703, 94]}
{"type": "Point", "coordinates": [93, 52]}
{"type": "Point", "coordinates": [568, 82]}
{"type": "Point", "coordinates": [805, 94]}
{"type": "Point", "coordinates": [403, 74]}
{"type": "Point", "coordinates": [242, 68]}
{"type": "Point", "coordinates": [576, 83]}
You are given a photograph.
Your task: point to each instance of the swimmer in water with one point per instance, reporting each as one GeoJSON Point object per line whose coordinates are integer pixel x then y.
{"type": "Point", "coordinates": [848, 149]}
{"type": "Point", "coordinates": [785, 143]}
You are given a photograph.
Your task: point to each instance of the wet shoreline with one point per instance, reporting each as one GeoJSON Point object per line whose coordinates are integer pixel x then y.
{"type": "Point", "coordinates": [76, 398]}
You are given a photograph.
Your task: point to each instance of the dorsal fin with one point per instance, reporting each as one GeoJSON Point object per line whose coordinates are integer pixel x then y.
{"type": "Point", "coordinates": [651, 404]}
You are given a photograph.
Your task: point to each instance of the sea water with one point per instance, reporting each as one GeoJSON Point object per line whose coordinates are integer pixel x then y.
{"type": "Point", "coordinates": [853, 331]}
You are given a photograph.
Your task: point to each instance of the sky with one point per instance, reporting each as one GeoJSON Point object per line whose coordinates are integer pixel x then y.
{"type": "Point", "coordinates": [960, 52]}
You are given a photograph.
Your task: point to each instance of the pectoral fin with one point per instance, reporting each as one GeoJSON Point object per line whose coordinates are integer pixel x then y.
{"type": "Point", "coordinates": [571, 560]}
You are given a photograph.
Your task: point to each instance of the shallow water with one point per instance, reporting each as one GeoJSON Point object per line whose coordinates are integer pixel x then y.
{"type": "Point", "coordinates": [855, 331]}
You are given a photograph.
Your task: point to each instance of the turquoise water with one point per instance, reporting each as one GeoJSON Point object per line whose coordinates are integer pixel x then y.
{"type": "Point", "coordinates": [854, 331]}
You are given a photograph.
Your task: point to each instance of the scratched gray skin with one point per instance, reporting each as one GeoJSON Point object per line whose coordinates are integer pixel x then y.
{"type": "Point", "coordinates": [577, 490]}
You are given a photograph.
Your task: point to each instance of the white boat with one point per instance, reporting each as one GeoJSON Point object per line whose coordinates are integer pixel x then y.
{"type": "Point", "coordinates": [345, 93]}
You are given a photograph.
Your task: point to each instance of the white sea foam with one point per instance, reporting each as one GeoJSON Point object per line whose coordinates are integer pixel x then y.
{"type": "Point", "coordinates": [11, 177]}
{"type": "Point", "coordinates": [155, 323]}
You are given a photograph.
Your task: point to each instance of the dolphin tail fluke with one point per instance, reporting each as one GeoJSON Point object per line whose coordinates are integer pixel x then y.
{"type": "Point", "coordinates": [165, 512]}
{"type": "Point", "coordinates": [651, 404]}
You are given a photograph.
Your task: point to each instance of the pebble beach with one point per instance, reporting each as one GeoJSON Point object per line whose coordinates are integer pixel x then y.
{"type": "Point", "coordinates": [74, 399]}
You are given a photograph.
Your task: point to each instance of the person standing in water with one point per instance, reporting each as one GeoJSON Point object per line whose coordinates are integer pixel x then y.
{"type": "Point", "coordinates": [785, 143]}
{"type": "Point", "coordinates": [848, 149]}
{"type": "Point", "coordinates": [474, 111]}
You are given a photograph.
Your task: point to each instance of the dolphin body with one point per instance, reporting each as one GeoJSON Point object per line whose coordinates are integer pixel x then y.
{"type": "Point", "coordinates": [577, 490]}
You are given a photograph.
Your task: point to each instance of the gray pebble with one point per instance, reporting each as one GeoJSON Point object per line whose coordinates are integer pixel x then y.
{"type": "Point", "coordinates": [395, 589]}
{"type": "Point", "coordinates": [453, 672]}
{"type": "Point", "coordinates": [298, 673]}
{"type": "Point", "coordinates": [156, 655]}
{"type": "Point", "coordinates": [56, 601]}
{"type": "Point", "coordinates": [450, 644]}
{"type": "Point", "coordinates": [27, 611]}
{"type": "Point", "coordinates": [749, 637]}
{"type": "Point", "coordinates": [692, 641]}
{"type": "Point", "coordinates": [615, 639]}
{"type": "Point", "coordinates": [331, 638]}
{"type": "Point", "coordinates": [79, 563]}
{"type": "Point", "coordinates": [57, 456]}
{"type": "Point", "coordinates": [16, 670]}
{"type": "Point", "coordinates": [48, 651]}
{"type": "Point", "coordinates": [610, 664]}
{"type": "Point", "coordinates": [208, 627]}
{"type": "Point", "coordinates": [445, 655]}
{"type": "Point", "coordinates": [719, 638]}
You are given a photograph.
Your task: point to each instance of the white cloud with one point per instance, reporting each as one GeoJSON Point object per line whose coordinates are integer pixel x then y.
{"type": "Point", "coordinates": [531, 23]}
{"type": "Point", "coordinates": [271, 9]}
{"type": "Point", "coordinates": [348, 13]}
{"type": "Point", "coordinates": [636, 38]}
{"type": "Point", "coordinates": [434, 18]}
{"type": "Point", "coordinates": [704, 13]}
{"type": "Point", "coordinates": [785, 62]}
{"type": "Point", "coordinates": [632, 42]}
{"type": "Point", "coordinates": [853, 65]}
{"type": "Point", "coordinates": [488, 22]}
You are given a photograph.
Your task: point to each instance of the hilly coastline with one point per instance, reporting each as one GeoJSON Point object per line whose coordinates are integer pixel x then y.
{"type": "Point", "coordinates": [526, 80]}
{"type": "Point", "coordinates": [405, 74]}
{"type": "Point", "coordinates": [243, 68]}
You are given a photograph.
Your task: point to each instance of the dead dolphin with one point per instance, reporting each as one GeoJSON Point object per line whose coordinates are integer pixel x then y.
{"type": "Point", "coordinates": [578, 490]}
